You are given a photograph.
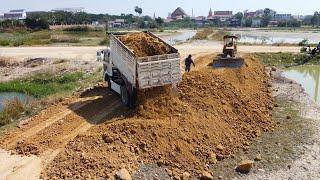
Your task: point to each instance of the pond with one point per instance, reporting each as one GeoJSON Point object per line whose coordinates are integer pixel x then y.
{"type": "Point", "coordinates": [178, 37]}
{"type": "Point", "coordinates": [308, 77]}
{"type": "Point", "coordinates": [274, 37]}
{"type": "Point", "coordinates": [5, 96]}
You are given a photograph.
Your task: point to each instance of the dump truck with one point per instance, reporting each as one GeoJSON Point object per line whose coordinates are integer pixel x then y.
{"type": "Point", "coordinates": [126, 74]}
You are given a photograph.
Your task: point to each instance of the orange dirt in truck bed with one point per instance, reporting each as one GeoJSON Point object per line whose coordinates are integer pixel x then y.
{"type": "Point", "coordinates": [142, 44]}
{"type": "Point", "coordinates": [212, 114]}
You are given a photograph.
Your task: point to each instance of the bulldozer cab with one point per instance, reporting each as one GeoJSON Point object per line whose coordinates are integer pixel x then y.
{"type": "Point", "coordinates": [230, 46]}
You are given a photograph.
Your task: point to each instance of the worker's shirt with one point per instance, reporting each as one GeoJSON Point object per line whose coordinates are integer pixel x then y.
{"type": "Point", "coordinates": [188, 61]}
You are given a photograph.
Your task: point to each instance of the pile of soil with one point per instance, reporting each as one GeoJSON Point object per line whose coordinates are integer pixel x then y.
{"type": "Point", "coordinates": [24, 148]}
{"type": "Point", "coordinates": [212, 114]}
{"type": "Point", "coordinates": [142, 44]}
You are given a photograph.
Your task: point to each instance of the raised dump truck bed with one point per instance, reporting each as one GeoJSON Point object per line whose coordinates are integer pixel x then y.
{"type": "Point", "coordinates": [123, 67]}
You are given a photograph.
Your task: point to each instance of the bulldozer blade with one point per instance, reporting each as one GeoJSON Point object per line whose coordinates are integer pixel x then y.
{"type": "Point", "coordinates": [228, 62]}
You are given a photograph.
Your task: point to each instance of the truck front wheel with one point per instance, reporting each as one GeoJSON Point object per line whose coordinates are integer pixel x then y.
{"type": "Point", "coordinates": [108, 81]}
{"type": "Point", "coordinates": [124, 95]}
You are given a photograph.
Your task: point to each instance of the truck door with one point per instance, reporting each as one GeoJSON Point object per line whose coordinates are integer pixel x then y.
{"type": "Point", "coordinates": [107, 62]}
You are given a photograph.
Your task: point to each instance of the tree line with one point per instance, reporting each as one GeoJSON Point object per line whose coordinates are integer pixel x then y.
{"type": "Point", "coordinates": [42, 20]}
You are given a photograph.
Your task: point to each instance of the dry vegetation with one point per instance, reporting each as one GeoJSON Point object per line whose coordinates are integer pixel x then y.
{"type": "Point", "coordinates": [210, 34]}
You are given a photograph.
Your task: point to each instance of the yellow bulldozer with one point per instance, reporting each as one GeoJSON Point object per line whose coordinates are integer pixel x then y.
{"type": "Point", "coordinates": [229, 56]}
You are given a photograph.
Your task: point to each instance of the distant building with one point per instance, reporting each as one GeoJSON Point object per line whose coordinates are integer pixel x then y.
{"type": "Point", "coordinates": [71, 10]}
{"type": "Point", "coordinates": [19, 14]}
{"type": "Point", "coordinates": [282, 17]}
{"type": "Point", "coordinates": [1, 17]}
{"type": "Point", "coordinates": [179, 13]}
{"type": "Point", "coordinates": [248, 14]}
{"type": "Point", "coordinates": [298, 17]}
{"type": "Point", "coordinates": [210, 13]}
{"type": "Point", "coordinates": [118, 23]}
{"type": "Point", "coordinates": [200, 21]}
{"type": "Point", "coordinates": [223, 15]}
{"type": "Point", "coordinates": [234, 22]}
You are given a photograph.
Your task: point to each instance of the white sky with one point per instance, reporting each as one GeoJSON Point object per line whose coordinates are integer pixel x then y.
{"type": "Point", "coordinates": [163, 7]}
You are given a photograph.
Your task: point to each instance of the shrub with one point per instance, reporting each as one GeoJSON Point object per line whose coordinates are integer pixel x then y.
{"type": "Point", "coordinates": [105, 41]}
{"type": "Point", "coordinates": [64, 39]}
{"type": "Point", "coordinates": [78, 29]}
{"type": "Point", "coordinates": [18, 43]}
{"type": "Point", "coordinates": [12, 110]}
{"type": "Point", "coordinates": [4, 42]}
{"type": "Point", "coordinates": [304, 42]}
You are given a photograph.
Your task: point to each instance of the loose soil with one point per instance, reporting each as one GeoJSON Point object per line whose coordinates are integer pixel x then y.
{"type": "Point", "coordinates": [142, 44]}
{"type": "Point", "coordinates": [211, 115]}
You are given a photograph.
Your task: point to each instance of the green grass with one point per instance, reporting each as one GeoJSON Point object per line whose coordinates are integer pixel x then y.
{"type": "Point", "coordinates": [45, 88]}
{"type": "Point", "coordinates": [43, 85]}
{"type": "Point", "coordinates": [286, 59]}
{"type": "Point", "coordinates": [44, 37]}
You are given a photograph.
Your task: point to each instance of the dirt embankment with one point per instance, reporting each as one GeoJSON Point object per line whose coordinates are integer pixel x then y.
{"type": "Point", "coordinates": [142, 44]}
{"type": "Point", "coordinates": [212, 114]}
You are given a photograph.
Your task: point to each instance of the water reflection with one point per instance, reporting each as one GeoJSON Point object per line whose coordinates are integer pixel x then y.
{"type": "Point", "coordinates": [308, 77]}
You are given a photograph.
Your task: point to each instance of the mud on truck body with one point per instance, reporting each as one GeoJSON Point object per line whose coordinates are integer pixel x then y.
{"type": "Point", "coordinates": [125, 73]}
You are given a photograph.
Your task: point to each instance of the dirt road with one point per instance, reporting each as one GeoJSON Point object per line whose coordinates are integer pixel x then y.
{"type": "Point", "coordinates": [89, 53]}
{"type": "Point", "coordinates": [72, 53]}
{"type": "Point", "coordinates": [196, 47]}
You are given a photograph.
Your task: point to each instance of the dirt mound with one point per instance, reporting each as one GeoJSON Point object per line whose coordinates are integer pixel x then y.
{"type": "Point", "coordinates": [144, 45]}
{"type": "Point", "coordinates": [24, 148]}
{"type": "Point", "coordinates": [212, 114]}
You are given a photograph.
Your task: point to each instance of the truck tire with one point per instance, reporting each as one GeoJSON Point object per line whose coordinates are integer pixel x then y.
{"type": "Point", "coordinates": [125, 97]}
{"type": "Point", "coordinates": [107, 79]}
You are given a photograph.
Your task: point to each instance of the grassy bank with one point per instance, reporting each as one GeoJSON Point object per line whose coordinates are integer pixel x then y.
{"type": "Point", "coordinates": [45, 88]}
{"type": "Point", "coordinates": [52, 37]}
{"type": "Point", "coordinates": [286, 59]}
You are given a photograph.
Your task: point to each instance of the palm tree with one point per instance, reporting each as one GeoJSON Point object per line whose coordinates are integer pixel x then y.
{"type": "Point", "coordinates": [138, 10]}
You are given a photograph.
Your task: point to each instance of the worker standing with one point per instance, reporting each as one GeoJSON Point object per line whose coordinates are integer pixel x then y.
{"type": "Point", "coordinates": [188, 62]}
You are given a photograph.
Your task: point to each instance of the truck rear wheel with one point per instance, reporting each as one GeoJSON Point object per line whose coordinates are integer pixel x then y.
{"type": "Point", "coordinates": [124, 95]}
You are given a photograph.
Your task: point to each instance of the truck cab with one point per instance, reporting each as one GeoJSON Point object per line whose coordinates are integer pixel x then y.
{"type": "Point", "coordinates": [113, 77]}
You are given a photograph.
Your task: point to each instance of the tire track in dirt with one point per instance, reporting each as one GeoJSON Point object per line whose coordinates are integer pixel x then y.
{"type": "Point", "coordinates": [35, 129]}
{"type": "Point", "coordinates": [59, 133]}
{"type": "Point", "coordinates": [47, 139]}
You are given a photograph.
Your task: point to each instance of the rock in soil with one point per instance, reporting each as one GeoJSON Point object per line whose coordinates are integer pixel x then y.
{"type": "Point", "coordinates": [123, 174]}
{"type": "Point", "coordinates": [258, 157]}
{"type": "Point", "coordinates": [206, 176]}
{"type": "Point", "coordinates": [186, 176]}
{"type": "Point", "coordinates": [244, 166]}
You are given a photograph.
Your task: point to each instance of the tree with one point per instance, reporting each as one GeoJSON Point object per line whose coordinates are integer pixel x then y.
{"type": "Point", "coordinates": [248, 22]}
{"type": "Point", "coordinates": [266, 17]}
{"type": "Point", "coordinates": [138, 10]}
{"type": "Point", "coordinates": [159, 21]}
{"type": "Point", "coordinates": [315, 20]}
{"type": "Point", "coordinates": [239, 16]}
{"type": "Point", "coordinates": [36, 24]}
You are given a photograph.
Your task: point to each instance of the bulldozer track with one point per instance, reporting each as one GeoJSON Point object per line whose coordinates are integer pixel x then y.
{"type": "Point", "coordinates": [34, 130]}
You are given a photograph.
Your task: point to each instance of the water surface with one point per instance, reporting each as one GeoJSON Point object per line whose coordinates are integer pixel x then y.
{"type": "Point", "coordinates": [5, 96]}
{"type": "Point", "coordinates": [308, 77]}
{"type": "Point", "coordinates": [178, 37]}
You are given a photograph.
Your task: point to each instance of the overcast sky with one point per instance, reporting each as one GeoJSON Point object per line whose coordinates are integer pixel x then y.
{"type": "Point", "coordinates": [163, 7]}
